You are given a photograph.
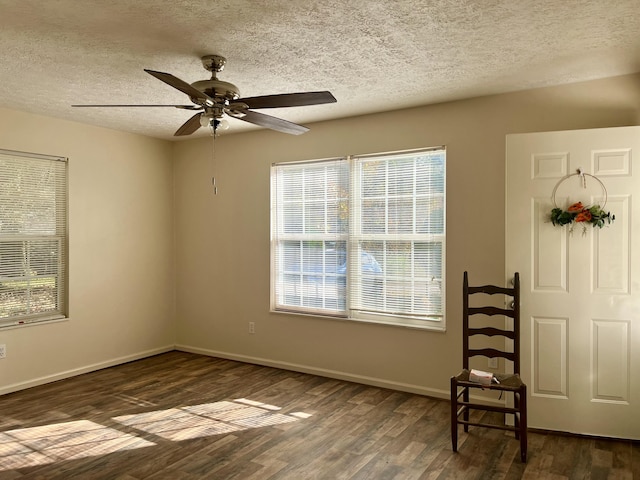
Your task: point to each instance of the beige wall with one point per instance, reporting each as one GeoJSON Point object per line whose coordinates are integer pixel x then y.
{"type": "Point", "coordinates": [130, 255]}
{"type": "Point", "coordinates": [222, 242]}
{"type": "Point", "coordinates": [120, 252]}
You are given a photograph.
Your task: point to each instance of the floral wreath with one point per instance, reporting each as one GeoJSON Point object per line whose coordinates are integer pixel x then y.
{"type": "Point", "coordinates": [595, 215]}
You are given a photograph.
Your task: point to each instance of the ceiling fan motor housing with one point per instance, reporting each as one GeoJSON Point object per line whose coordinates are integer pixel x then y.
{"type": "Point", "coordinates": [217, 89]}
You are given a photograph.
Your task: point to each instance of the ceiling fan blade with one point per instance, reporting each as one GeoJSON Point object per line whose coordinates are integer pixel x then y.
{"type": "Point", "coordinates": [289, 100]}
{"type": "Point", "coordinates": [181, 85]}
{"type": "Point", "coordinates": [273, 123]}
{"type": "Point", "coordinates": [189, 126]}
{"type": "Point", "coordinates": [186, 107]}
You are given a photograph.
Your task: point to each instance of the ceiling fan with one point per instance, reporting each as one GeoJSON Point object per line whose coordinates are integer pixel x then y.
{"type": "Point", "coordinates": [213, 99]}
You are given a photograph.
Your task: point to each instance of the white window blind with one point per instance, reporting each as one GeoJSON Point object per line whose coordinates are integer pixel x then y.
{"type": "Point", "coordinates": [399, 212]}
{"type": "Point", "coordinates": [33, 226]}
{"type": "Point", "coordinates": [361, 237]}
{"type": "Point", "coordinates": [310, 225]}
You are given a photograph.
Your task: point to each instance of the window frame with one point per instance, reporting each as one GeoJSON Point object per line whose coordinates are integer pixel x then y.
{"type": "Point", "coordinates": [56, 169]}
{"type": "Point", "coordinates": [353, 239]}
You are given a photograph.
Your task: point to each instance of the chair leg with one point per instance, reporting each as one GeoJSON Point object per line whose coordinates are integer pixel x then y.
{"type": "Point", "coordinates": [454, 415]}
{"type": "Point", "coordinates": [465, 414]}
{"type": "Point", "coordinates": [516, 421]}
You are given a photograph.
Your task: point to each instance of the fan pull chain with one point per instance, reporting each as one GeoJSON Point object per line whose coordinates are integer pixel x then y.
{"type": "Point", "coordinates": [213, 160]}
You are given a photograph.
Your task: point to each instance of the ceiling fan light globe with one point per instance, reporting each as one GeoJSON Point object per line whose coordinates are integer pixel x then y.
{"type": "Point", "coordinates": [205, 120]}
{"type": "Point", "coordinates": [222, 125]}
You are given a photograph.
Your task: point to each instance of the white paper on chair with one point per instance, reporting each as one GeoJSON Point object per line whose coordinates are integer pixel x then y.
{"type": "Point", "coordinates": [478, 376]}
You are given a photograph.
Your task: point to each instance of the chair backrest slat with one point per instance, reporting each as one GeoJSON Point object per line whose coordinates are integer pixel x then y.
{"type": "Point", "coordinates": [490, 290]}
{"type": "Point", "coordinates": [491, 353]}
{"type": "Point", "coordinates": [491, 311]}
{"type": "Point", "coordinates": [491, 332]}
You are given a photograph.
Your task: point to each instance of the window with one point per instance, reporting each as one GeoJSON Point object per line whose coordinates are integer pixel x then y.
{"type": "Point", "coordinates": [33, 225]}
{"type": "Point", "coordinates": [361, 237]}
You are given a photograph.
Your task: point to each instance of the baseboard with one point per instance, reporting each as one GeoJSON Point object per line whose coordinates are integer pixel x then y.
{"type": "Point", "coordinates": [322, 372]}
{"type": "Point", "coordinates": [86, 369]}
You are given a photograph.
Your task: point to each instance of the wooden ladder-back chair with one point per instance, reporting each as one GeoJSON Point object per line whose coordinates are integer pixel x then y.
{"type": "Point", "coordinates": [511, 383]}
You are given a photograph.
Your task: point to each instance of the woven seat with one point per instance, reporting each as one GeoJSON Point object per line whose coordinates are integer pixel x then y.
{"type": "Point", "coordinates": [507, 381]}
{"type": "Point", "coordinates": [461, 385]}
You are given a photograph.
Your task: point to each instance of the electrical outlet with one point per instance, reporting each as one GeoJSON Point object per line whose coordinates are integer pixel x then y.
{"type": "Point", "coordinates": [252, 327]}
{"type": "Point", "coordinates": [3, 351]}
{"type": "Point", "coordinates": [493, 363]}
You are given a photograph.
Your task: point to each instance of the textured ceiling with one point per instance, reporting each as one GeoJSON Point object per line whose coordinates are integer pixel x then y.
{"type": "Point", "coordinates": [373, 55]}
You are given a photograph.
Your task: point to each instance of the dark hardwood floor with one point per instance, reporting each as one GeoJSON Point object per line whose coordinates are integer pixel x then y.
{"type": "Point", "coordinates": [181, 416]}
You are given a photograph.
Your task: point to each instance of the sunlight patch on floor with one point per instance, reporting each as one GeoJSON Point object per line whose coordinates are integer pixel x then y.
{"type": "Point", "coordinates": [33, 446]}
{"type": "Point", "coordinates": [183, 423]}
{"type": "Point", "coordinates": [28, 447]}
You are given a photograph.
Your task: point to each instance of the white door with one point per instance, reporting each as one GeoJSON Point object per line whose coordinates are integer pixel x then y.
{"type": "Point", "coordinates": [580, 292]}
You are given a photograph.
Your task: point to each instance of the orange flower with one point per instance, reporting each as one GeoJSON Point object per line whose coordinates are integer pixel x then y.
{"type": "Point", "coordinates": [584, 216]}
{"type": "Point", "coordinates": [576, 207]}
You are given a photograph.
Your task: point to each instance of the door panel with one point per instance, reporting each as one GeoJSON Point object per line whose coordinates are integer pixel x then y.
{"type": "Point", "coordinates": [580, 290]}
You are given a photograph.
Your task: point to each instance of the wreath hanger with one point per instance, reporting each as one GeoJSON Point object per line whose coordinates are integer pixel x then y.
{"type": "Point", "coordinates": [583, 179]}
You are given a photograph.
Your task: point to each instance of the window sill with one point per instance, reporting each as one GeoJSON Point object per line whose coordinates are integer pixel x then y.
{"type": "Point", "coordinates": [407, 323]}
{"type": "Point", "coordinates": [33, 322]}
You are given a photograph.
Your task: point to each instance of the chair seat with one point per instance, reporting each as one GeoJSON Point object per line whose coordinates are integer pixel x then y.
{"type": "Point", "coordinates": [508, 381]}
